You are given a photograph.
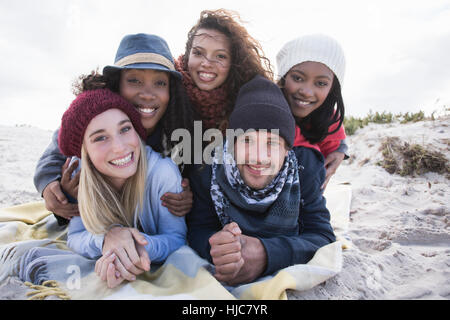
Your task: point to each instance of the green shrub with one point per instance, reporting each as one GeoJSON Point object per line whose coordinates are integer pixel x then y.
{"type": "Point", "coordinates": [384, 117]}
{"type": "Point", "coordinates": [351, 124]}
{"type": "Point", "coordinates": [413, 117]}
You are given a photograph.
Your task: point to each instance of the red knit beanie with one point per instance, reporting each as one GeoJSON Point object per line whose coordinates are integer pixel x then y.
{"type": "Point", "coordinates": [83, 109]}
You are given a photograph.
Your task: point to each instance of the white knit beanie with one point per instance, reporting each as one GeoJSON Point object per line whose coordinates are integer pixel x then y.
{"type": "Point", "coordinates": [315, 47]}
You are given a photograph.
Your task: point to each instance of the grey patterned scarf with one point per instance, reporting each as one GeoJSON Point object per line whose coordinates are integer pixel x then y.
{"type": "Point", "coordinates": [260, 199]}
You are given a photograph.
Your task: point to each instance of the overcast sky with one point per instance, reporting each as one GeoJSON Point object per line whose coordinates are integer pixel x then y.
{"type": "Point", "coordinates": [397, 51]}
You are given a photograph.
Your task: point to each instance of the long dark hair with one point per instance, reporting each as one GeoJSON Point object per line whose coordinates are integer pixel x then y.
{"type": "Point", "coordinates": [314, 127]}
{"type": "Point", "coordinates": [178, 113]}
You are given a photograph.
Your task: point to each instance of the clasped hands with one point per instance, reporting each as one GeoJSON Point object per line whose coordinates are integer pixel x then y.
{"type": "Point", "coordinates": [124, 256]}
{"type": "Point", "coordinates": [238, 258]}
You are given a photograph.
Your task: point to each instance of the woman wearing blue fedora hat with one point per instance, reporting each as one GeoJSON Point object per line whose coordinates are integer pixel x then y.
{"type": "Point", "coordinates": [144, 74]}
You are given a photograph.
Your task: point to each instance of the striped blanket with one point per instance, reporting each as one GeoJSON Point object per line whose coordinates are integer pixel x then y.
{"type": "Point", "coordinates": [33, 247]}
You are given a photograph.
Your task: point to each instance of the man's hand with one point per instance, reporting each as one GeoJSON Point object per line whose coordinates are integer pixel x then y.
{"type": "Point", "coordinates": [179, 204]}
{"type": "Point", "coordinates": [332, 162]}
{"type": "Point", "coordinates": [238, 258]}
{"type": "Point", "coordinates": [226, 252]}
{"type": "Point", "coordinates": [68, 183]}
{"type": "Point", "coordinates": [255, 261]}
{"type": "Point", "coordinates": [56, 201]}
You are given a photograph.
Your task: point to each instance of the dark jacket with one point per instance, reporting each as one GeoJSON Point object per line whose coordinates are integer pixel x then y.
{"type": "Point", "coordinates": [283, 250]}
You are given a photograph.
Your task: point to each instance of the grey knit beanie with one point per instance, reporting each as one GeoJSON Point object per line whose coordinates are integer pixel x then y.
{"type": "Point", "coordinates": [315, 47]}
{"type": "Point", "coordinates": [260, 104]}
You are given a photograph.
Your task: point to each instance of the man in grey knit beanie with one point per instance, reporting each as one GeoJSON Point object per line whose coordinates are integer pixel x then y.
{"type": "Point", "coordinates": [248, 214]}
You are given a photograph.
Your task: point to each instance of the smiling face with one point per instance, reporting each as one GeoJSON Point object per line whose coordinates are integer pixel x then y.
{"type": "Point", "coordinates": [209, 59]}
{"type": "Point", "coordinates": [307, 86]}
{"type": "Point", "coordinates": [113, 146]}
{"type": "Point", "coordinates": [259, 157]}
{"type": "Point", "coordinates": [148, 91]}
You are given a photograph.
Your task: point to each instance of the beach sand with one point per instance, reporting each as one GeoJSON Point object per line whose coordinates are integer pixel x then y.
{"type": "Point", "coordinates": [399, 226]}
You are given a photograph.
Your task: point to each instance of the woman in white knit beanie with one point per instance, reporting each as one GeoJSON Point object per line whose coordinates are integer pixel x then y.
{"type": "Point", "coordinates": [311, 72]}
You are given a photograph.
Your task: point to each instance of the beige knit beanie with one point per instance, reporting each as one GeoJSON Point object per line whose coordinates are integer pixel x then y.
{"type": "Point", "coordinates": [315, 47]}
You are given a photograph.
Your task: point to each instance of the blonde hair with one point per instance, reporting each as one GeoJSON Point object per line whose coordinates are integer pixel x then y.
{"type": "Point", "coordinates": [101, 205]}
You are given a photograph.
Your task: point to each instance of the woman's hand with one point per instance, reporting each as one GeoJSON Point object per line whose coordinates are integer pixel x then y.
{"type": "Point", "coordinates": [128, 244]}
{"type": "Point", "coordinates": [106, 270]}
{"type": "Point", "coordinates": [332, 162]}
{"type": "Point", "coordinates": [68, 183]}
{"type": "Point", "coordinates": [179, 204]}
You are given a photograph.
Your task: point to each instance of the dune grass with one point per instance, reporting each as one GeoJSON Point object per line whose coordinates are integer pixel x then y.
{"type": "Point", "coordinates": [401, 157]}
{"type": "Point", "coordinates": [352, 124]}
{"type": "Point", "coordinates": [411, 159]}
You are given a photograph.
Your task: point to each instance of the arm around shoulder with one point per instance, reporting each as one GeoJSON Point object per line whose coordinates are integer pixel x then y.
{"type": "Point", "coordinates": [49, 166]}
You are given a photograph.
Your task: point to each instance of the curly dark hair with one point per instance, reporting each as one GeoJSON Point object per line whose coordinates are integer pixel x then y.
{"type": "Point", "coordinates": [247, 56]}
{"type": "Point", "coordinates": [314, 127]}
{"type": "Point", "coordinates": [177, 115]}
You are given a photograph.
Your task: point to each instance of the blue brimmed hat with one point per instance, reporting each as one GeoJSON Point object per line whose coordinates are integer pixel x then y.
{"type": "Point", "coordinates": [143, 51]}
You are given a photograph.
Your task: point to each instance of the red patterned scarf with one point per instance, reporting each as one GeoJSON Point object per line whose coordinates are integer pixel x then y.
{"type": "Point", "coordinates": [213, 106]}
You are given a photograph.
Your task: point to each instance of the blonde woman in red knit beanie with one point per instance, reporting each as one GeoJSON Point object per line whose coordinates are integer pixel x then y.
{"type": "Point", "coordinates": [121, 182]}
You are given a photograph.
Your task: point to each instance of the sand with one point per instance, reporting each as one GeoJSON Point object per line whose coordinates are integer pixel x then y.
{"type": "Point", "coordinates": [399, 226]}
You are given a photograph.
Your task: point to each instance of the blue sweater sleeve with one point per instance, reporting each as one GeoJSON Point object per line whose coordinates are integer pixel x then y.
{"type": "Point", "coordinates": [82, 241]}
{"type": "Point", "coordinates": [314, 218]}
{"type": "Point", "coordinates": [48, 168]}
{"type": "Point", "coordinates": [164, 231]}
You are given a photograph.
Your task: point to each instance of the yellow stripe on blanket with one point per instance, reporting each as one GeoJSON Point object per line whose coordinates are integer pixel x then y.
{"type": "Point", "coordinates": [30, 221]}
{"type": "Point", "coordinates": [326, 263]}
{"type": "Point", "coordinates": [273, 289]}
{"type": "Point", "coordinates": [29, 213]}
{"type": "Point", "coordinates": [169, 281]}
